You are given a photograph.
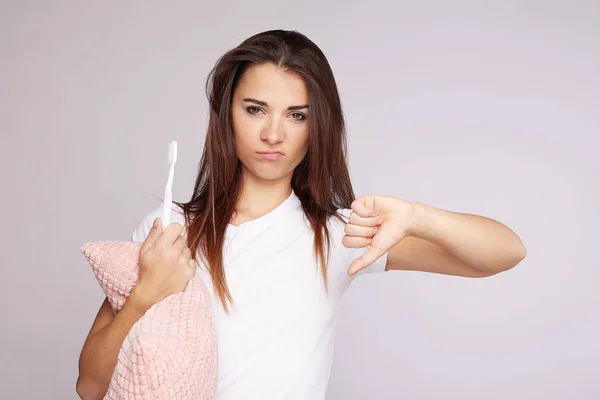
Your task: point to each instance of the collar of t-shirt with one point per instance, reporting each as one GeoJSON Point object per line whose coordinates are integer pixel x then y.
{"type": "Point", "coordinates": [254, 227]}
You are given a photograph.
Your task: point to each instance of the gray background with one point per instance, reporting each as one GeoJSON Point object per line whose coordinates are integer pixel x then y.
{"type": "Point", "coordinates": [481, 107]}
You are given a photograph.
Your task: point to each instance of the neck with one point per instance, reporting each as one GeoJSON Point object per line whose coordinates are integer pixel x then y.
{"type": "Point", "coordinates": [258, 197]}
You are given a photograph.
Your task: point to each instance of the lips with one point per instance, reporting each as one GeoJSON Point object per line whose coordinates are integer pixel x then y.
{"type": "Point", "coordinates": [270, 155]}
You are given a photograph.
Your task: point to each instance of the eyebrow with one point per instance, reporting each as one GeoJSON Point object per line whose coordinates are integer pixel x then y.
{"type": "Point", "coordinates": [264, 104]}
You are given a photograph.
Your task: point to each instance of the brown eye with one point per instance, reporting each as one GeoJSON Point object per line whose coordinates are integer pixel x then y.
{"type": "Point", "coordinates": [298, 116]}
{"type": "Point", "coordinates": [253, 110]}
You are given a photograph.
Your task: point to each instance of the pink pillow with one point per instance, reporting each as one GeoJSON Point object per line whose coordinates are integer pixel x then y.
{"type": "Point", "coordinates": [171, 351]}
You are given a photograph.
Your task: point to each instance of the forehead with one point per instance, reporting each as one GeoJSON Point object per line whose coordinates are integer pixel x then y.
{"type": "Point", "coordinates": [270, 83]}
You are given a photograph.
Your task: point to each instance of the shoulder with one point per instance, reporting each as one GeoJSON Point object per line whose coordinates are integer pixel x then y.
{"type": "Point", "coordinates": [144, 224]}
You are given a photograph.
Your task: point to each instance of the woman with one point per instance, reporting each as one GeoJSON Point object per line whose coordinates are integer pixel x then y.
{"type": "Point", "coordinates": [274, 216]}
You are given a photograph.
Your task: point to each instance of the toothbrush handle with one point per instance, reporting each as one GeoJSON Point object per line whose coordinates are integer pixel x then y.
{"type": "Point", "coordinates": [168, 198]}
{"type": "Point", "coordinates": [167, 211]}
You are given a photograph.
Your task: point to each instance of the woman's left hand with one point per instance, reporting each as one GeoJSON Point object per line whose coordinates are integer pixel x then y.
{"type": "Point", "coordinates": [380, 222]}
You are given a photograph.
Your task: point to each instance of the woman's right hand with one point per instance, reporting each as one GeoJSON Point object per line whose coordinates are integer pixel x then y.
{"type": "Point", "coordinates": [165, 265]}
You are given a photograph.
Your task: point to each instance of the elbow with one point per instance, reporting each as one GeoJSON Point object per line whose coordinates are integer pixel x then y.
{"type": "Point", "coordinates": [519, 255]}
{"type": "Point", "coordinates": [84, 389]}
{"type": "Point", "coordinates": [87, 389]}
{"type": "Point", "coordinates": [523, 252]}
{"type": "Point", "coordinates": [509, 263]}
{"type": "Point", "coordinates": [515, 258]}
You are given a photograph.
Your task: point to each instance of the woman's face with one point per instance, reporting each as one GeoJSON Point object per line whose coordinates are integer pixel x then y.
{"type": "Point", "coordinates": [270, 122]}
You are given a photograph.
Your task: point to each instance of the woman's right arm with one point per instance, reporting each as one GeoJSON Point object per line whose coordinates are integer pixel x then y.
{"type": "Point", "coordinates": [165, 268]}
{"type": "Point", "coordinates": [101, 348]}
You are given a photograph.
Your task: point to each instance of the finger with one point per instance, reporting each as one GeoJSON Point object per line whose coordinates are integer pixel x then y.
{"type": "Point", "coordinates": [187, 253]}
{"type": "Point", "coordinates": [153, 235]}
{"type": "Point", "coordinates": [354, 242]}
{"type": "Point", "coordinates": [180, 244]}
{"type": "Point", "coordinates": [369, 221]}
{"type": "Point", "coordinates": [184, 260]}
{"type": "Point", "coordinates": [192, 268]}
{"type": "Point", "coordinates": [170, 234]}
{"type": "Point", "coordinates": [362, 210]}
{"type": "Point", "coordinates": [364, 231]}
{"type": "Point", "coordinates": [368, 258]}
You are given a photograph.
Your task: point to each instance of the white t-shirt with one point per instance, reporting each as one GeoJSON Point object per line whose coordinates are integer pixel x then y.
{"type": "Point", "coordinates": [277, 342]}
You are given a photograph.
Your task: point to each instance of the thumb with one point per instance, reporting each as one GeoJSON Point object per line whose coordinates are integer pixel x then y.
{"type": "Point", "coordinates": [364, 207]}
{"type": "Point", "coordinates": [368, 258]}
{"type": "Point", "coordinates": [153, 235]}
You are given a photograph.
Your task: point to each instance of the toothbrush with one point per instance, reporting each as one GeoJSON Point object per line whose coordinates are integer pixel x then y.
{"type": "Point", "coordinates": [172, 159]}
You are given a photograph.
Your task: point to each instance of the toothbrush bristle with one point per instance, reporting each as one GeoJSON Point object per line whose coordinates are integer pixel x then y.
{"type": "Point", "coordinates": [172, 152]}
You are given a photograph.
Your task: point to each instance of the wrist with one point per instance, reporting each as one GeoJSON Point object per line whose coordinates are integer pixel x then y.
{"type": "Point", "coordinates": [419, 221]}
{"type": "Point", "coordinates": [138, 301]}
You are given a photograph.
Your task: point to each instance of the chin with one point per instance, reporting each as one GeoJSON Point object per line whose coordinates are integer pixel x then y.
{"type": "Point", "coordinates": [268, 174]}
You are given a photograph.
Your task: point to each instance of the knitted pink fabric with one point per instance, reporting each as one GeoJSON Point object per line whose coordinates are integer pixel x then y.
{"type": "Point", "coordinates": [171, 351]}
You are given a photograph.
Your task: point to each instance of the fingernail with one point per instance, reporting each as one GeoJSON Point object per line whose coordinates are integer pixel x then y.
{"type": "Point", "coordinates": [155, 224]}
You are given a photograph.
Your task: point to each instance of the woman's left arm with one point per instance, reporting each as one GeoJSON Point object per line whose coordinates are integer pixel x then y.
{"type": "Point", "coordinates": [465, 242]}
{"type": "Point", "coordinates": [420, 237]}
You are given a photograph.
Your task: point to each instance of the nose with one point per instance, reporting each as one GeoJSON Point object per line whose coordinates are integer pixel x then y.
{"type": "Point", "coordinates": [273, 131]}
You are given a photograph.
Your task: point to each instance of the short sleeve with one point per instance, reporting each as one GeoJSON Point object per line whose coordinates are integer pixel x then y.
{"type": "Point", "coordinates": [353, 253]}
{"type": "Point", "coordinates": [142, 229]}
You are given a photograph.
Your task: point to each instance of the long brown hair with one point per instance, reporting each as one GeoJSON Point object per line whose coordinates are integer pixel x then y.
{"type": "Point", "coordinates": [321, 180]}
